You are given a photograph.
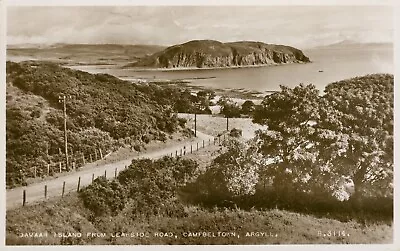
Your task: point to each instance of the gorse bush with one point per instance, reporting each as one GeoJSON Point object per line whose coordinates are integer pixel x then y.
{"type": "Point", "coordinates": [102, 111]}
{"type": "Point", "coordinates": [104, 197]}
{"type": "Point", "coordinates": [231, 176]}
{"type": "Point", "coordinates": [147, 187]}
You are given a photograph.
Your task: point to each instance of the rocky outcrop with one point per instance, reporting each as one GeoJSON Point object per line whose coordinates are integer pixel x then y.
{"type": "Point", "coordinates": [210, 53]}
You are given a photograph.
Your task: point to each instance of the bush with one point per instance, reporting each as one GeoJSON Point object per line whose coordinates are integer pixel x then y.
{"type": "Point", "coordinates": [136, 147]}
{"type": "Point", "coordinates": [153, 185]}
{"type": "Point", "coordinates": [235, 133]}
{"type": "Point", "coordinates": [104, 197]}
{"type": "Point", "coordinates": [182, 122]}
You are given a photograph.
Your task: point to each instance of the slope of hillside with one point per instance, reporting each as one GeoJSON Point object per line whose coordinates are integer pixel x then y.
{"type": "Point", "coordinates": [210, 53]}
{"type": "Point", "coordinates": [103, 112]}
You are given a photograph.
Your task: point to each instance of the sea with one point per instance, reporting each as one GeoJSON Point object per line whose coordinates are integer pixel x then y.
{"type": "Point", "coordinates": [329, 64]}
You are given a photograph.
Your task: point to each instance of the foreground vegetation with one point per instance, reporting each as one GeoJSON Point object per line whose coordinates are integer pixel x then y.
{"type": "Point", "coordinates": [103, 112]}
{"type": "Point", "coordinates": [324, 166]}
{"type": "Point", "coordinates": [139, 208]}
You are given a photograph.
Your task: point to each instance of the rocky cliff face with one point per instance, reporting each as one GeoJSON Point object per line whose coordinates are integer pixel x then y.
{"type": "Point", "coordinates": [209, 53]}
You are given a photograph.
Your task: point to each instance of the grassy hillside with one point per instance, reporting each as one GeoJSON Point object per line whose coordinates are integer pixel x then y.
{"type": "Point", "coordinates": [102, 112]}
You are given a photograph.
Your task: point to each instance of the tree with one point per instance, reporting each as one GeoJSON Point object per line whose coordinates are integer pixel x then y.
{"type": "Point", "coordinates": [317, 141]}
{"type": "Point", "coordinates": [360, 111]}
{"type": "Point", "coordinates": [229, 108]}
{"type": "Point", "coordinates": [248, 107]}
{"type": "Point", "coordinates": [287, 144]}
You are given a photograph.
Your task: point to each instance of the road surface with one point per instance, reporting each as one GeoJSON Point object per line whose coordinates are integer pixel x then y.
{"type": "Point", "coordinates": [35, 192]}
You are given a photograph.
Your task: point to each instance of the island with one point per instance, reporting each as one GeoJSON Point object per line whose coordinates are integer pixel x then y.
{"type": "Point", "coordinates": [215, 54]}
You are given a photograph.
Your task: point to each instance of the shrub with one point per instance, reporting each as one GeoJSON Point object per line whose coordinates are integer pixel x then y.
{"type": "Point", "coordinates": [104, 197]}
{"type": "Point", "coordinates": [182, 122]}
{"type": "Point", "coordinates": [153, 185]}
{"type": "Point", "coordinates": [235, 133]}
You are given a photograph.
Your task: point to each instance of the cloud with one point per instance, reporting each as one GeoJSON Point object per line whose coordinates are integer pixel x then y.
{"type": "Point", "coordinates": [297, 26]}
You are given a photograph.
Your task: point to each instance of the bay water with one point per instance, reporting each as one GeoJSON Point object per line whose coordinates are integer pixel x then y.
{"type": "Point", "coordinates": [329, 64]}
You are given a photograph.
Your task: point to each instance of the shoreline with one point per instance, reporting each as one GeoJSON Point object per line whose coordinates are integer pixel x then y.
{"type": "Point", "coordinates": [139, 69]}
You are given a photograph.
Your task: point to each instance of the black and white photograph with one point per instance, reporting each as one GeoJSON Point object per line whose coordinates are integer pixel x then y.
{"type": "Point", "coordinates": [204, 124]}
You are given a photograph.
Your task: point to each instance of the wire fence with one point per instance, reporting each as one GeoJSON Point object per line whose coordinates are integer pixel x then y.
{"type": "Point", "coordinates": [58, 188]}
{"type": "Point", "coordinates": [76, 161]}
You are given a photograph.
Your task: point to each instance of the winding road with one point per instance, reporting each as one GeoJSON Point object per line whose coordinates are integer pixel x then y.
{"type": "Point", "coordinates": [35, 192]}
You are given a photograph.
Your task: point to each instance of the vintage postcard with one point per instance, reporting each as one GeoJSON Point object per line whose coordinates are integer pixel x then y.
{"type": "Point", "coordinates": [140, 124]}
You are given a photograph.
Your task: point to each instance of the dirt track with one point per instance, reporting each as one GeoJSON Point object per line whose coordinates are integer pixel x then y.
{"type": "Point", "coordinates": [35, 192]}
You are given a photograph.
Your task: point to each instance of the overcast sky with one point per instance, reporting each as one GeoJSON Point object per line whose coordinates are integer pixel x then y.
{"type": "Point", "coordinates": [302, 27]}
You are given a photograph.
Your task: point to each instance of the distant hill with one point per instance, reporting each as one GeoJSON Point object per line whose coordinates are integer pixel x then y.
{"type": "Point", "coordinates": [211, 53]}
{"type": "Point", "coordinates": [352, 44]}
{"type": "Point", "coordinates": [82, 53]}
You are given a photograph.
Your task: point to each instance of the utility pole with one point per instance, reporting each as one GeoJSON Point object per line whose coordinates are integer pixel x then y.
{"type": "Point", "coordinates": [197, 107]}
{"type": "Point", "coordinates": [63, 99]}
{"type": "Point", "coordinates": [195, 123]}
{"type": "Point", "coordinates": [227, 123]}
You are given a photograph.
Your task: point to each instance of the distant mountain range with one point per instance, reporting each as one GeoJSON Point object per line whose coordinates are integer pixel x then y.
{"type": "Point", "coordinates": [81, 53]}
{"type": "Point", "coordinates": [211, 53]}
{"type": "Point", "coordinates": [351, 44]}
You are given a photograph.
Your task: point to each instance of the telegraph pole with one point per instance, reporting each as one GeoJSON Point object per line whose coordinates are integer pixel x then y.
{"type": "Point", "coordinates": [227, 123]}
{"type": "Point", "coordinates": [195, 123]}
{"type": "Point", "coordinates": [63, 99]}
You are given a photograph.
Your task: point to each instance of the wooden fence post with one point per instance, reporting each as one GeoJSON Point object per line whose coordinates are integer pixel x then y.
{"type": "Point", "coordinates": [203, 143]}
{"type": "Point", "coordinates": [197, 146]}
{"type": "Point", "coordinates": [181, 151]}
{"type": "Point", "coordinates": [45, 191]}
{"type": "Point", "coordinates": [34, 171]}
{"type": "Point", "coordinates": [48, 169]}
{"type": "Point", "coordinates": [92, 177]}
{"type": "Point", "coordinates": [191, 148]}
{"type": "Point", "coordinates": [115, 174]}
{"type": "Point", "coordinates": [176, 153]}
{"type": "Point", "coordinates": [23, 197]}
{"type": "Point", "coordinates": [79, 184]}
{"type": "Point", "coordinates": [105, 174]}
{"type": "Point", "coordinates": [63, 189]}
